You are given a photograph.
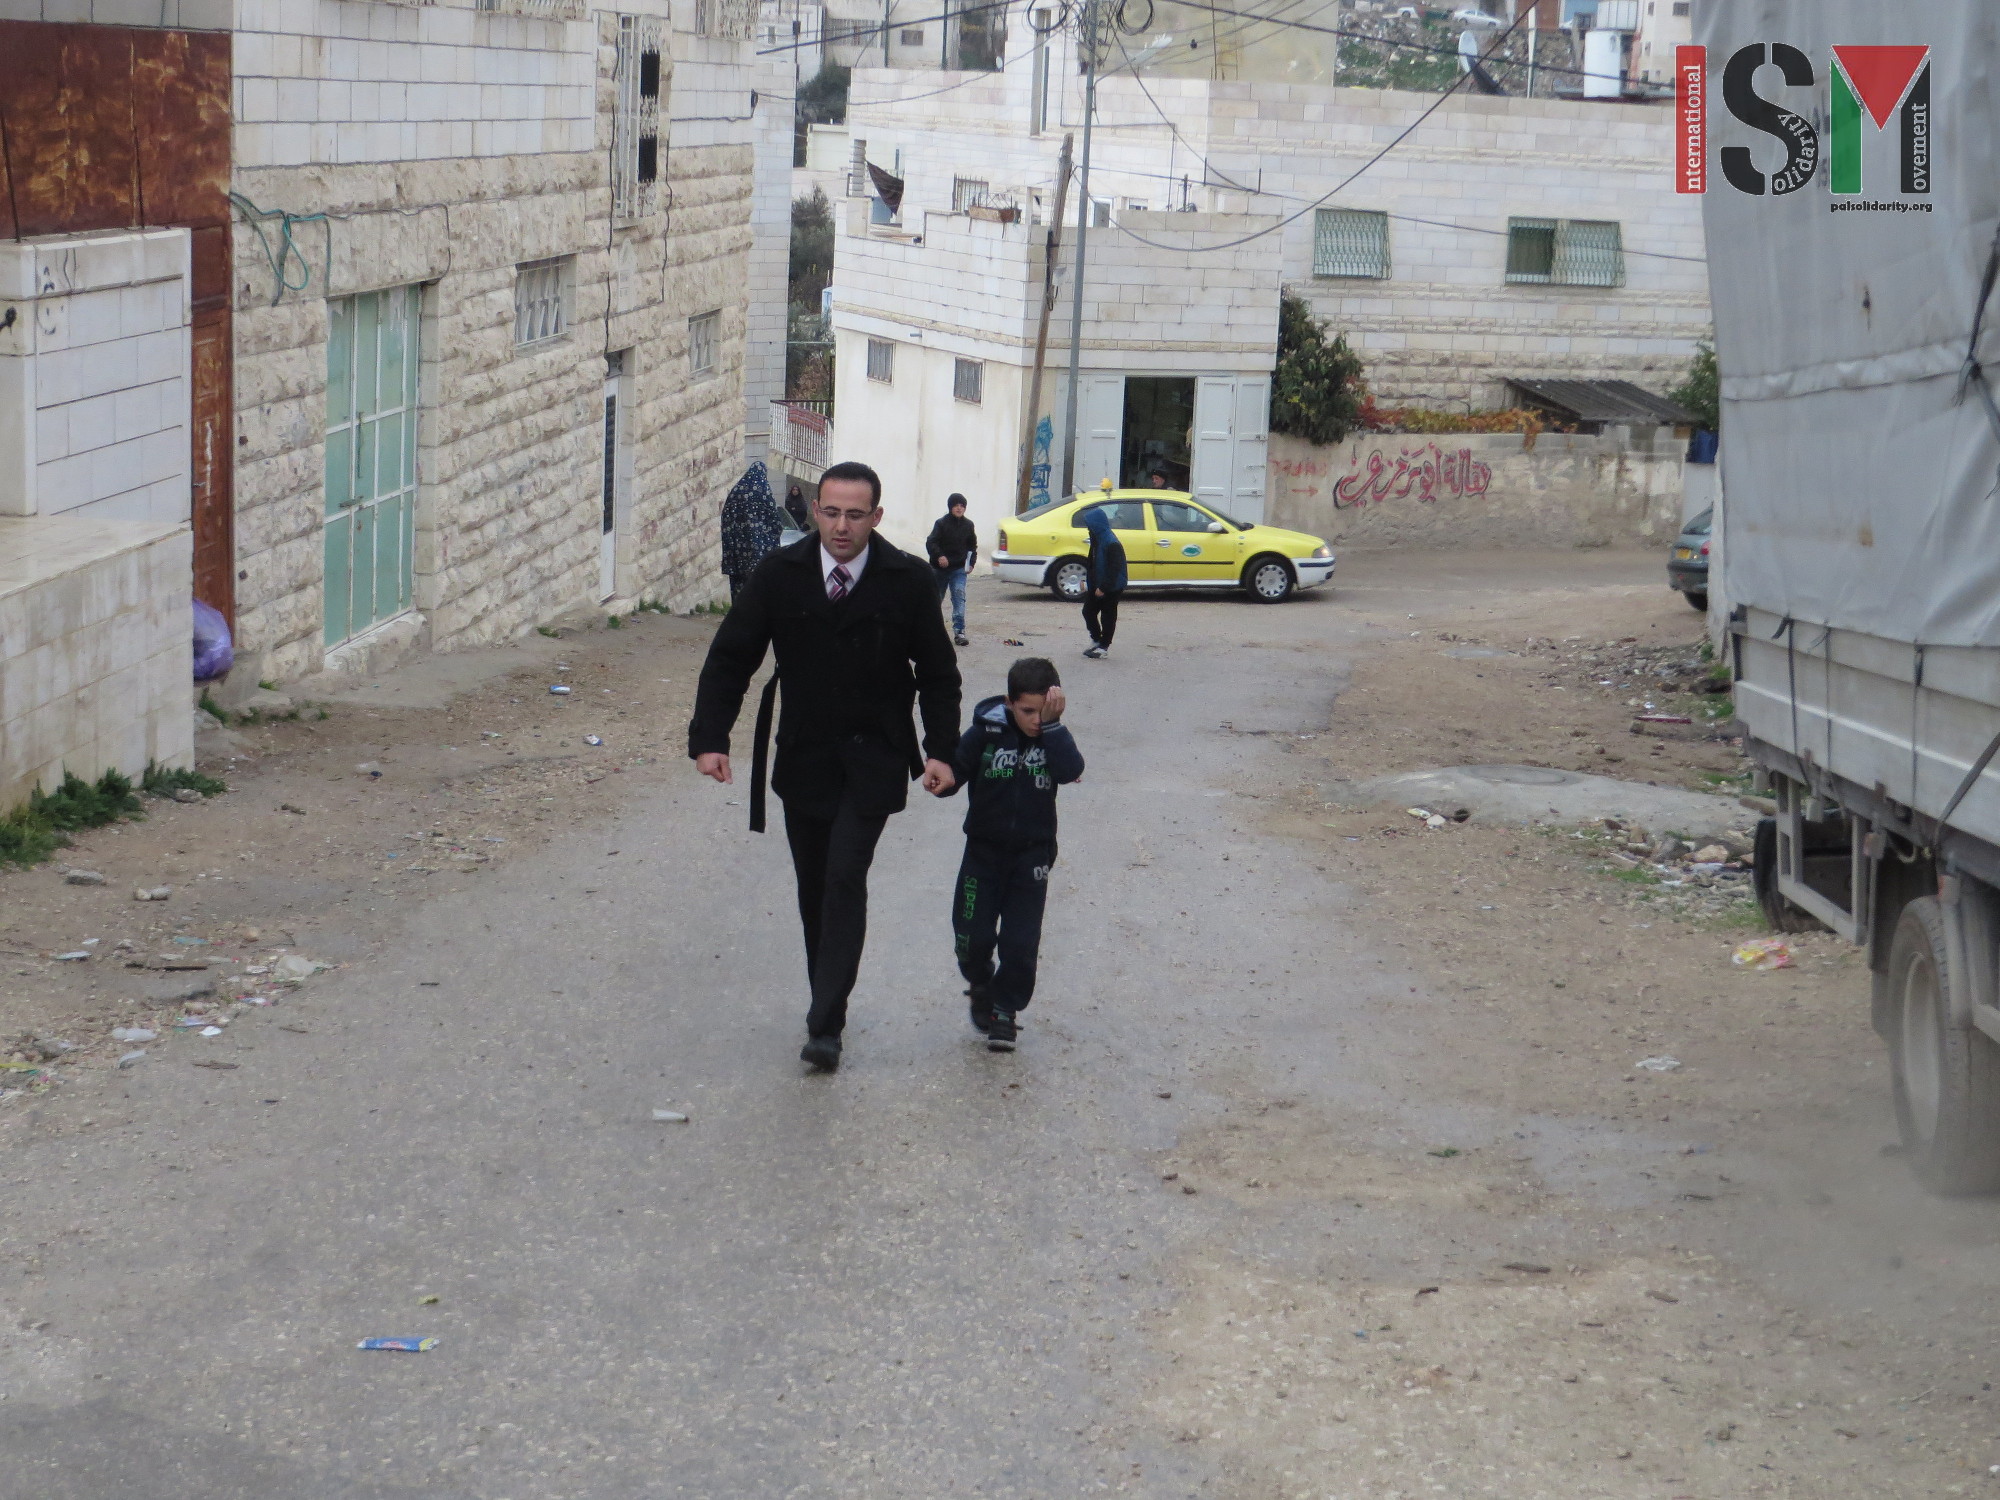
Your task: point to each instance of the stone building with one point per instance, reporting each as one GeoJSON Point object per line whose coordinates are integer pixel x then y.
{"type": "Point", "coordinates": [379, 327]}
{"type": "Point", "coordinates": [1503, 236]}
{"type": "Point", "coordinates": [491, 271]}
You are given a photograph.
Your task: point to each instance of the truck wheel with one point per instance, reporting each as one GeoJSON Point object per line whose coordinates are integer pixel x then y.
{"type": "Point", "coordinates": [1070, 579]}
{"type": "Point", "coordinates": [1947, 1078]}
{"type": "Point", "coordinates": [1698, 598]}
{"type": "Point", "coordinates": [1778, 912]}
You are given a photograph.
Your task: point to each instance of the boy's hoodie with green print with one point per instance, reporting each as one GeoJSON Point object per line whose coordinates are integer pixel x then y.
{"type": "Point", "coordinates": [1011, 777]}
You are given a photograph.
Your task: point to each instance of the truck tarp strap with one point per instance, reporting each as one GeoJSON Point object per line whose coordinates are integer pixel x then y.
{"type": "Point", "coordinates": [1978, 768]}
{"type": "Point", "coordinates": [1972, 375]}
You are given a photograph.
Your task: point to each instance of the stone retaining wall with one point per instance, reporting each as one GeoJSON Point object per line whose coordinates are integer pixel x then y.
{"type": "Point", "coordinates": [1453, 490]}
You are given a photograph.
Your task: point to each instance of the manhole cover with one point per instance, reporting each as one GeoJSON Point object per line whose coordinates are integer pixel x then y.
{"type": "Point", "coordinates": [1521, 775]}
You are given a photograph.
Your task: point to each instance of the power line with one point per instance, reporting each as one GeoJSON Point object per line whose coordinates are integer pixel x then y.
{"type": "Point", "coordinates": [1383, 41]}
{"type": "Point", "coordinates": [1401, 136]}
{"type": "Point", "coordinates": [886, 26]}
{"type": "Point", "coordinates": [1243, 187]}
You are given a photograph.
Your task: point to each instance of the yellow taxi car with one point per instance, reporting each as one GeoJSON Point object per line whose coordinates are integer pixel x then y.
{"type": "Point", "coordinates": [1171, 541]}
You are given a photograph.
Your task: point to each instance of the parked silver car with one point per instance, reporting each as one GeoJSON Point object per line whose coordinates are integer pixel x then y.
{"type": "Point", "coordinates": [1687, 564]}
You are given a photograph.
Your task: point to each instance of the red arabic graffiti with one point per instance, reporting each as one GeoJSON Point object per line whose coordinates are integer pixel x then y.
{"type": "Point", "coordinates": [1427, 470]}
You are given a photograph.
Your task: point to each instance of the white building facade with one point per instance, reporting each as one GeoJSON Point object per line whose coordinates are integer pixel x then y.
{"type": "Point", "coordinates": [1501, 237]}
{"type": "Point", "coordinates": [497, 371]}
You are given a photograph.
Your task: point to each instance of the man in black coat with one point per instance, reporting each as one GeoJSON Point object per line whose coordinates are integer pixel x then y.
{"type": "Point", "coordinates": [859, 640]}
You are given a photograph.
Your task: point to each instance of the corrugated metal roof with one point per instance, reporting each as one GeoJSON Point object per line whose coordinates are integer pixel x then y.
{"type": "Point", "coordinates": [1602, 401]}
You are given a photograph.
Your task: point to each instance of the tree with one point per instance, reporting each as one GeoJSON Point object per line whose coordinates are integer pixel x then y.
{"type": "Point", "coordinates": [1701, 391]}
{"type": "Point", "coordinates": [812, 251]}
{"type": "Point", "coordinates": [823, 97]}
{"type": "Point", "coordinates": [1317, 389]}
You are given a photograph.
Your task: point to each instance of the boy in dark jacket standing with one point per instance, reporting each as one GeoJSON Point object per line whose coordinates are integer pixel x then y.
{"type": "Point", "coordinates": [953, 546]}
{"type": "Point", "coordinates": [1107, 581]}
{"type": "Point", "coordinates": [1010, 761]}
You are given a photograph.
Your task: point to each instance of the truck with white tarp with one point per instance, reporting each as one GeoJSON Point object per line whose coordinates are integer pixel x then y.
{"type": "Point", "coordinates": [1847, 155]}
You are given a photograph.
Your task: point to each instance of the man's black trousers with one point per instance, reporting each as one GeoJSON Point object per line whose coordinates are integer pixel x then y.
{"type": "Point", "coordinates": [997, 904]}
{"type": "Point", "coordinates": [1100, 617]}
{"type": "Point", "coordinates": [830, 857]}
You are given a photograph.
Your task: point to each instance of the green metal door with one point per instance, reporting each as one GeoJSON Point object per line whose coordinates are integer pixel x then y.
{"type": "Point", "coordinates": [371, 459]}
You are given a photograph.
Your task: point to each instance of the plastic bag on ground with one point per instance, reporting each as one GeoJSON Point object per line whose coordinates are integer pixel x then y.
{"type": "Point", "coordinates": [213, 653]}
{"type": "Point", "coordinates": [1764, 953]}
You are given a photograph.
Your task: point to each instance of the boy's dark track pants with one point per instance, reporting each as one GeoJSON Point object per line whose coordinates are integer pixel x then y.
{"type": "Point", "coordinates": [998, 904]}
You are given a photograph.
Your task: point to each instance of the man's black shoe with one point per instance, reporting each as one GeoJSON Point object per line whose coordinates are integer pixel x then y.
{"type": "Point", "coordinates": [1000, 1035]}
{"type": "Point", "coordinates": [982, 1008]}
{"type": "Point", "coordinates": [960, 640]}
{"type": "Point", "coordinates": [822, 1052]}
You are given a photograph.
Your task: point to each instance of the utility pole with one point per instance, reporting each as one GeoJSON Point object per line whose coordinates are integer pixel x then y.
{"type": "Point", "coordinates": [1042, 332]}
{"type": "Point", "coordinates": [1087, 35]}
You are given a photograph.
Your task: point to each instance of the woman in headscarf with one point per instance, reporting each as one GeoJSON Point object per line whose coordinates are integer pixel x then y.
{"type": "Point", "coordinates": [751, 526]}
{"type": "Point", "coordinates": [795, 507]}
{"type": "Point", "coordinates": [1106, 583]}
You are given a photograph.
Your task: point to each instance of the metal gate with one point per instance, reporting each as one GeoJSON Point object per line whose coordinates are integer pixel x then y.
{"type": "Point", "coordinates": [371, 459]}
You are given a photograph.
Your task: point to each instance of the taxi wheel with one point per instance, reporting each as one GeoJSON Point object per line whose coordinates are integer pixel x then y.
{"type": "Point", "coordinates": [1070, 579]}
{"type": "Point", "coordinates": [1269, 580]}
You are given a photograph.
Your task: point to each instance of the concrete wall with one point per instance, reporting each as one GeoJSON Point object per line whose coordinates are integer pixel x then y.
{"type": "Point", "coordinates": [1461, 489]}
{"type": "Point", "coordinates": [94, 376]}
{"type": "Point", "coordinates": [949, 286]}
{"type": "Point", "coordinates": [924, 443]}
{"type": "Point", "coordinates": [99, 636]}
{"type": "Point", "coordinates": [448, 145]}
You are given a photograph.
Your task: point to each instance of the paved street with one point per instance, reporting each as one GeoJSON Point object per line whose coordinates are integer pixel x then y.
{"type": "Point", "coordinates": [922, 1276]}
{"type": "Point", "coordinates": [939, 1272]}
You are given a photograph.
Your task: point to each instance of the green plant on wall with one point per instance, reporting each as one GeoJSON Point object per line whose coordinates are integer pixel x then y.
{"type": "Point", "coordinates": [1701, 391]}
{"type": "Point", "coordinates": [1316, 389]}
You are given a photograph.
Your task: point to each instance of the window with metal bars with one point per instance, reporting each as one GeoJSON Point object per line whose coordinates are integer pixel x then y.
{"type": "Point", "coordinates": [967, 192]}
{"type": "Point", "coordinates": [1350, 242]}
{"type": "Point", "coordinates": [1565, 252]}
{"type": "Point", "coordinates": [881, 360]}
{"type": "Point", "coordinates": [912, 36]}
{"type": "Point", "coordinates": [541, 300]}
{"type": "Point", "coordinates": [968, 380]}
{"type": "Point", "coordinates": [704, 334]}
{"type": "Point", "coordinates": [635, 129]}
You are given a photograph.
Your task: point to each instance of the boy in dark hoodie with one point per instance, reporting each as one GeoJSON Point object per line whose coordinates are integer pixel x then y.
{"type": "Point", "coordinates": [1011, 761]}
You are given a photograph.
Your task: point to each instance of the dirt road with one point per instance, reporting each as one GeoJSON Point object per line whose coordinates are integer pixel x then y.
{"type": "Point", "coordinates": [1326, 1168]}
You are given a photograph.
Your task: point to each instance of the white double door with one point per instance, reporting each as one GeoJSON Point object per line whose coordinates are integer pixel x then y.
{"type": "Point", "coordinates": [1229, 443]}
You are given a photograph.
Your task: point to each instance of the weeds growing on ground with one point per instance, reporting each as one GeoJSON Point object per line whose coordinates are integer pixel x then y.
{"type": "Point", "coordinates": [652, 606]}
{"type": "Point", "coordinates": [213, 709]}
{"type": "Point", "coordinates": [35, 830]}
{"type": "Point", "coordinates": [544, 630]}
{"type": "Point", "coordinates": [164, 781]}
{"type": "Point", "coordinates": [613, 622]}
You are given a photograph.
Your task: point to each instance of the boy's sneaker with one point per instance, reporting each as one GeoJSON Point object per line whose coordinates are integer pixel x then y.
{"type": "Point", "coordinates": [1000, 1035]}
{"type": "Point", "coordinates": [982, 1009]}
{"type": "Point", "coordinates": [1094, 652]}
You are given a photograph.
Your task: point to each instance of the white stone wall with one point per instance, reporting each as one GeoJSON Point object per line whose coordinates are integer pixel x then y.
{"type": "Point", "coordinates": [99, 650]}
{"type": "Point", "coordinates": [925, 443]}
{"type": "Point", "coordinates": [771, 233]}
{"type": "Point", "coordinates": [479, 141]}
{"type": "Point", "coordinates": [975, 285]}
{"type": "Point", "coordinates": [1445, 328]}
{"type": "Point", "coordinates": [94, 376]}
{"type": "Point", "coordinates": [950, 286]}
